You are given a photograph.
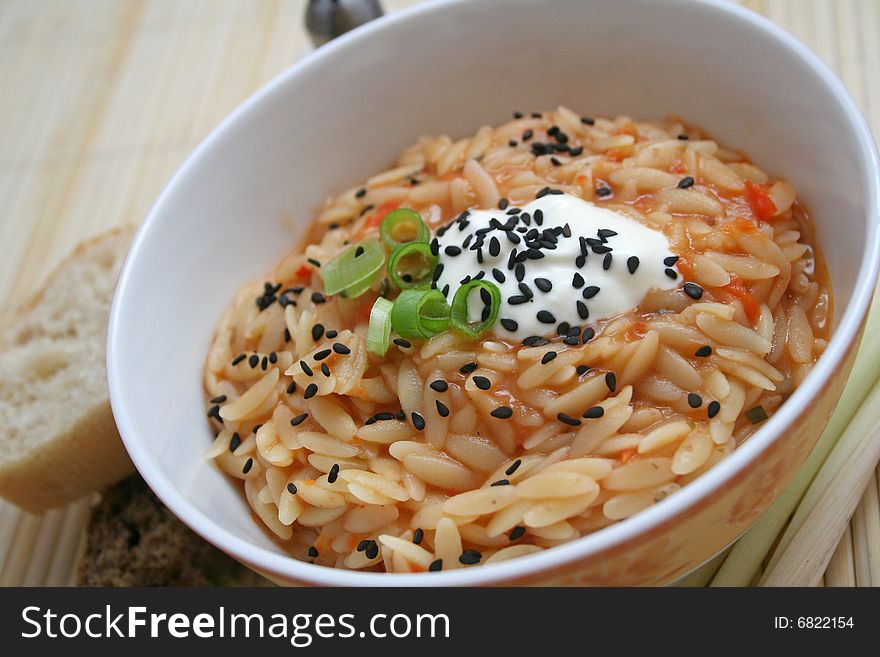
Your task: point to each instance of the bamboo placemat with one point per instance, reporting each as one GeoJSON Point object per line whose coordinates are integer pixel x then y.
{"type": "Point", "coordinates": [103, 99]}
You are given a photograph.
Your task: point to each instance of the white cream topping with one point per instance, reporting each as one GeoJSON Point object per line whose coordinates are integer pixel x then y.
{"type": "Point", "coordinates": [577, 226]}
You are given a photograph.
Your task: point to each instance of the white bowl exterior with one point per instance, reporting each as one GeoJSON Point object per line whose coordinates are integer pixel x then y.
{"type": "Point", "coordinates": [244, 198]}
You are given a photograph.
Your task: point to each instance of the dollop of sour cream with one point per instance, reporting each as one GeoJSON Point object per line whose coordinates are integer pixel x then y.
{"type": "Point", "coordinates": [556, 260]}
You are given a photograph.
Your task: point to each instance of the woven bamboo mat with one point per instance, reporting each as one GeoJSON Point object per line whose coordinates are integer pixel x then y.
{"type": "Point", "coordinates": [103, 99]}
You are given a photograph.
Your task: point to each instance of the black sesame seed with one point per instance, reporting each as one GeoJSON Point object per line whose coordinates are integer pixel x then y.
{"type": "Point", "coordinates": [325, 370]}
{"type": "Point", "coordinates": [606, 262]}
{"type": "Point", "coordinates": [517, 533]}
{"type": "Point", "coordinates": [341, 349]}
{"type": "Point", "coordinates": [503, 203]}
{"type": "Point", "coordinates": [372, 551]}
{"type": "Point", "coordinates": [234, 442]}
{"type": "Point", "coordinates": [589, 334]}
{"type": "Point", "coordinates": [670, 260]}
{"type": "Point", "coordinates": [519, 271]}
{"type": "Point", "coordinates": [502, 412]}
{"type": "Point", "coordinates": [485, 297]}
{"type": "Point", "coordinates": [577, 150]}
{"type": "Point", "coordinates": [685, 182]}
{"type": "Point", "coordinates": [467, 368]}
{"type": "Point", "coordinates": [321, 355]}
{"type": "Point", "coordinates": [500, 482]}
{"type": "Point", "coordinates": [632, 263]}
{"type": "Point", "coordinates": [299, 419]}
{"type": "Point", "coordinates": [671, 273]}
{"type": "Point", "coordinates": [588, 120]}
{"type": "Point", "coordinates": [513, 467]}
{"type": "Point", "coordinates": [238, 359]}
{"type": "Point", "coordinates": [512, 143]}
{"type": "Point", "coordinates": [317, 297]}
{"type": "Point", "coordinates": [703, 351]}
{"type": "Point", "coordinates": [312, 261]}
{"type": "Point", "coordinates": [550, 355]}
{"type": "Point", "coordinates": [594, 413]}
{"type": "Point", "coordinates": [436, 565]}
{"type": "Point", "coordinates": [517, 299]}
{"type": "Point", "coordinates": [403, 343]}
{"type": "Point", "coordinates": [693, 290]}
{"type": "Point", "coordinates": [418, 421]}
{"type": "Point", "coordinates": [452, 250]}
{"type": "Point", "coordinates": [713, 409]}
{"type": "Point", "coordinates": [247, 466]}
{"type": "Point", "coordinates": [534, 341]}
{"type": "Point", "coordinates": [590, 291]}
{"type": "Point", "coordinates": [555, 161]}
{"type": "Point", "coordinates": [313, 552]}
{"type": "Point", "coordinates": [360, 193]}
{"type": "Point", "coordinates": [287, 335]}
{"type": "Point", "coordinates": [439, 385]}
{"type": "Point", "coordinates": [219, 400]}
{"type": "Point", "coordinates": [603, 191]}
{"type": "Point", "coordinates": [364, 544]}
{"type": "Point", "coordinates": [582, 369]}
{"type": "Point", "coordinates": [359, 251]}
{"type": "Point", "coordinates": [498, 275]}
{"type": "Point", "coordinates": [264, 364]}
{"type": "Point", "coordinates": [545, 317]}
{"type": "Point", "coordinates": [534, 254]}
{"type": "Point", "coordinates": [571, 340]}
{"type": "Point", "coordinates": [694, 400]}
{"type": "Point", "coordinates": [291, 488]}
{"type": "Point", "coordinates": [400, 415]}
{"type": "Point", "coordinates": [543, 284]}
{"type": "Point", "coordinates": [683, 137]}
{"type": "Point", "coordinates": [291, 388]}
{"type": "Point", "coordinates": [577, 281]}
{"type": "Point", "coordinates": [611, 381]}
{"type": "Point", "coordinates": [442, 409]}
{"type": "Point", "coordinates": [418, 535]}
{"type": "Point", "coordinates": [332, 333]}
{"type": "Point", "coordinates": [482, 382]}
{"type": "Point", "coordinates": [253, 361]}
{"type": "Point", "coordinates": [605, 233]}
{"type": "Point", "coordinates": [273, 357]}
{"type": "Point", "coordinates": [470, 557]}
{"type": "Point", "coordinates": [568, 419]}
{"type": "Point", "coordinates": [310, 391]}
{"type": "Point", "coordinates": [510, 324]}
{"type": "Point", "coordinates": [583, 311]}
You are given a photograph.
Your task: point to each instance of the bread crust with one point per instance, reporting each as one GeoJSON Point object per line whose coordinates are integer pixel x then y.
{"type": "Point", "coordinates": [88, 455]}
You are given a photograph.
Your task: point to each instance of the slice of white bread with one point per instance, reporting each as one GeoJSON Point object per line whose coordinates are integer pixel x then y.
{"type": "Point", "coordinates": [58, 440]}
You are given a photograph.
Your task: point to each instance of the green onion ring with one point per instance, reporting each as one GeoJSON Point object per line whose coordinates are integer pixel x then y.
{"type": "Point", "coordinates": [379, 330]}
{"type": "Point", "coordinates": [420, 313]}
{"type": "Point", "coordinates": [412, 249]}
{"type": "Point", "coordinates": [353, 271]}
{"type": "Point", "coordinates": [459, 312]}
{"type": "Point", "coordinates": [403, 220]}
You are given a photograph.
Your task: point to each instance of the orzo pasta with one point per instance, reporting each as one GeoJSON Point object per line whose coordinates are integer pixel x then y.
{"type": "Point", "coordinates": [512, 340]}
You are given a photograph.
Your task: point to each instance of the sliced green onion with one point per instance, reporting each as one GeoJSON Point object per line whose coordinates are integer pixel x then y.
{"type": "Point", "coordinates": [412, 265]}
{"type": "Point", "coordinates": [401, 226]}
{"type": "Point", "coordinates": [353, 271]}
{"type": "Point", "coordinates": [756, 415]}
{"type": "Point", "coordinates": [379, 330]}
{"type": "Point", "coordinates": [420, 313]}
{"type": "Point", "coordinates": [459, 314]}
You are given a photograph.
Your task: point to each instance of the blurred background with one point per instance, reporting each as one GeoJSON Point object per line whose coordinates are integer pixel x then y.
{"type": "Point", "coordinates": [102, 100]}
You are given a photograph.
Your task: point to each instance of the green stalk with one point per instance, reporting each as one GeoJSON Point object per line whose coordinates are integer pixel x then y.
{"type": "Point", "coordinates": [744, 560]}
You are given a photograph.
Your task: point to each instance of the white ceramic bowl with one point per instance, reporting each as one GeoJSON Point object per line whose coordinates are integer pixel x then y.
{"type": "Point", "coordinates": [243, 199]}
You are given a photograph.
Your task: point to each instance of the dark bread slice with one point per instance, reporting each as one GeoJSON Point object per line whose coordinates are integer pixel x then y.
{"type": "Point", "coordinates": [134, 540]}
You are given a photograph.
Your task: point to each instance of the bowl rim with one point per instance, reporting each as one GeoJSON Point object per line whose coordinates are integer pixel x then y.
{"type": "Point", "coordinates": [284, 567]}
